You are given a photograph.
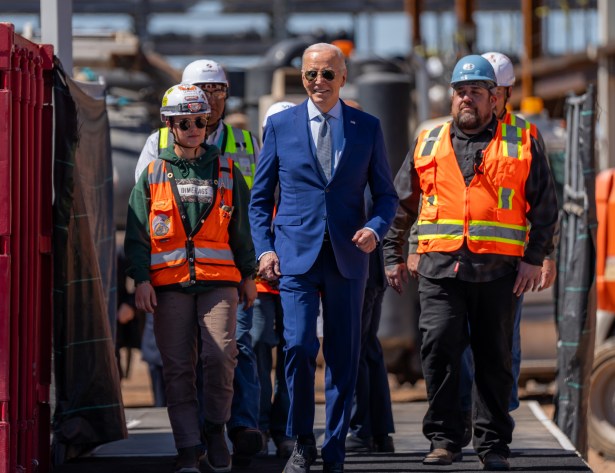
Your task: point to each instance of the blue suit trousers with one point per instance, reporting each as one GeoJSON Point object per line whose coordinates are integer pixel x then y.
{"type": "Point", "coordinates": [342, 301]}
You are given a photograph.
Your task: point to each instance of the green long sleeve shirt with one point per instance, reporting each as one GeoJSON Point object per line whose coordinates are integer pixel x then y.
{"type": "Point", "coordinates": [196, 181]}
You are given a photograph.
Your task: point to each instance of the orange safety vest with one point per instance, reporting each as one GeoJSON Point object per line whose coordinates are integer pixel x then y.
{"type": "Point", "coordinates": [490, 213]}
{"type": "Point", "coordinates": [516, 120]}
{"type": "Point", "coordinates": [178, 255]}
{"type": "Point", "coordinates": [264, 286]}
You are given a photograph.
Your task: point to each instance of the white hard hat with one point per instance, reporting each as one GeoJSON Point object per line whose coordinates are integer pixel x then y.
{"type": "Point", "coordinates": [204, 71]}
{"type": "Point", "coordinates": [275, 108]}
{"type": "Point", "coordinates": [503, 68]}
{"type": "Point", "coordinates": [183, 99]}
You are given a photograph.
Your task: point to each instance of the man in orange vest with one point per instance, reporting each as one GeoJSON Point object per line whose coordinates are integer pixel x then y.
{"type": "Point", "coordinates": [479, 182]}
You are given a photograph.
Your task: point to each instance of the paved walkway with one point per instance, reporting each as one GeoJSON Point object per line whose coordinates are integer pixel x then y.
{"type": "Point", "coordinates": [538, 446]}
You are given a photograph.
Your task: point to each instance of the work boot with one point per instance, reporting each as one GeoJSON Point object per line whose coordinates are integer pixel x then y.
{"type": "Point", "coordinates": [187, 460]}
{"type": "Point", "coordinates": [247, 442]}
{"type": "Point", "coordinates": [495, 462]}
{"type": "Point", "coordinates": [218, 458]}
{"type": "Point", "coordinates": [442, 456]}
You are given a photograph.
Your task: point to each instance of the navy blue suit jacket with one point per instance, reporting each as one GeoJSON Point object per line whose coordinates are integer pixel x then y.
{"type": "Point", "coordinates": [307, 203]}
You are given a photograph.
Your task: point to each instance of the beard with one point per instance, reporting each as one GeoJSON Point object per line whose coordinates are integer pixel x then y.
{"type": "Point", "coordinates": [471, 119]}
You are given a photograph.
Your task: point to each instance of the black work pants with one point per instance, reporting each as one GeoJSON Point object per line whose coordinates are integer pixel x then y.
{"type": "Point", "coordinates": [453, 314]}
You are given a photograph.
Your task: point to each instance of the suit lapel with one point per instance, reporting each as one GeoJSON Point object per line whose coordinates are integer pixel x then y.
{"type": "Point", "coordinates": [351, 136]}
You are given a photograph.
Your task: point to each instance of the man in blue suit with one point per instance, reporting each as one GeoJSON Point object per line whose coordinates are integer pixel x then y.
{"type": "Point", "coordinates": [319, 242]}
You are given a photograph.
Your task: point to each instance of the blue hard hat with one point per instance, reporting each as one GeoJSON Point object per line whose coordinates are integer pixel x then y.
{"type": "Point", "coordinates": [474, 68]}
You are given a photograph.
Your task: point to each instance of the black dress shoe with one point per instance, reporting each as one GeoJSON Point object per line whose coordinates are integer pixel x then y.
{"type": "Point", "coordinates": [302, 458]}
{"type": "Point", "coordinates": [495, 462]}
{"type": "Point", "coordinates": [354, 443]}
{"type": "Point", "coordinates": [384, 444]}
{"type": "Point", "coordinates": [332, 467]}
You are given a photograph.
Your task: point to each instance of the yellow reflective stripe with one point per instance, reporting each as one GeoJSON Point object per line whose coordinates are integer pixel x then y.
{"type": "Point", "coordinates": [247, 137]}
{"type": "Point", "coordinates": [230, 146]}
{"type": "Point", "coordinates": [511, 140]}
{"type": "Point", "coordinates": [505, 198]}
{"type": "Point", "coordinates": [439, 236]}
{"type": "Point", "coordinates": [497, 239]}
{"type": "Point", "coordinates": [163, 138]}
{"type": "Point", "coordinates": [444, 229]}
{"type": "Point", "coordinates": [480, 230]}
{"type": "Point", "coordinates": [487, 223]}
{"type": "Point", "coordinates": [441, 221]}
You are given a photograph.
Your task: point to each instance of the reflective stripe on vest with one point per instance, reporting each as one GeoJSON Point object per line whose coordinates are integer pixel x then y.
{"type": "Point", "coordinates": [516, 120]}
{"type": "Point", "coordinates": [204, 255]}
{"type": "Point", "coordinates": [240, 149]}
{"type": "Point", "coordinates": [238, 146]}
{"type": "Point", "coordinates": [490, 213]}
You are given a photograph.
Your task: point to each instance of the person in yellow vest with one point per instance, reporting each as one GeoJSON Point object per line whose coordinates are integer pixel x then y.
{"type": "Point", "coordinates": [242, 147]}
{"type": "Point", "coordinates": [191, 256]}
{"type": "Point", "coordinates": [479, 181]}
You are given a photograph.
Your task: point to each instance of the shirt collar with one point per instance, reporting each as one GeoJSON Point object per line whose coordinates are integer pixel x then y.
{"type": "Point", "coordinates": [313, 111]}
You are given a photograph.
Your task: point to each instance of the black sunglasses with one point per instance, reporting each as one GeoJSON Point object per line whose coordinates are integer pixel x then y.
{"type": "Point", "coordinates": [186, 123]}
{"type": "Point", "coordinates": [326, 74]}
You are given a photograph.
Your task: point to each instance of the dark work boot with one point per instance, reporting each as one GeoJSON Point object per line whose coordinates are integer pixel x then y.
{"type": "Point", "coordinates": [247, 442]}
{"type": "Point", "coordinates": [187, 460]}
{"type": "Point", "coordinates": [218, 458]}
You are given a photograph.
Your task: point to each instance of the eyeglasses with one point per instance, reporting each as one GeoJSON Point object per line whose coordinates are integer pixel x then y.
{"type": "Point", "coordinates": [185, 124]}
{"type": "Point", "coordinates": [326, 74]}
{"type": "Point", "coordinates": [214, 90]}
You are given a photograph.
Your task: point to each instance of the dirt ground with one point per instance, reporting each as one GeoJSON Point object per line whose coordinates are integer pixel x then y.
{"type": "Point", "coordinates": [136, 392]}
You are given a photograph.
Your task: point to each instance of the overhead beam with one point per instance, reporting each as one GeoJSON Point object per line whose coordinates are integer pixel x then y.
{"type": "Point", "coordinates": [606, 85]}
{"type": "Point", "coordinates": [532, 43]}
{"type": "Point", "coordinates": [128, 7]}
{"type": "Point", "coordinates": [466, 28]}
{"type": "Point", "coordinates": [56, 29]}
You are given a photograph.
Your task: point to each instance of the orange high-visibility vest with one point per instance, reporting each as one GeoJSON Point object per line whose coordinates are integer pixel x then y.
{"type": "Point", "coordinates": [264, 286]}
{"type": "Point", "coordinates": [516, 120]}
{"type": "Point", "coordinates": [490, 213]}
{"type": "Point", "coordinates": [202, 255]}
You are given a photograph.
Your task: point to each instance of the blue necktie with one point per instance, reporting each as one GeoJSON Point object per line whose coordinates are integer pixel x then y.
{"type": "Point", "coordinates": [324, 146]}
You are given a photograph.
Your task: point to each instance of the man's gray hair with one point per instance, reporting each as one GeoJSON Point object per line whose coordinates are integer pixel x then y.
{"type": "Point", "coordinates": [328, 46]}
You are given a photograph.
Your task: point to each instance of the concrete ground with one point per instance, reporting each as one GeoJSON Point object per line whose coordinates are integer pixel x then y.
{"type": "Point", "coordinates": [411, 446]}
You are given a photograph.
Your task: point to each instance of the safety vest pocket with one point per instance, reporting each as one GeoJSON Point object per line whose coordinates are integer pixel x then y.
{"type": "Point", "coordinates": [161, 219]}
{"type": "Point", "coordinates": [426, 169]}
